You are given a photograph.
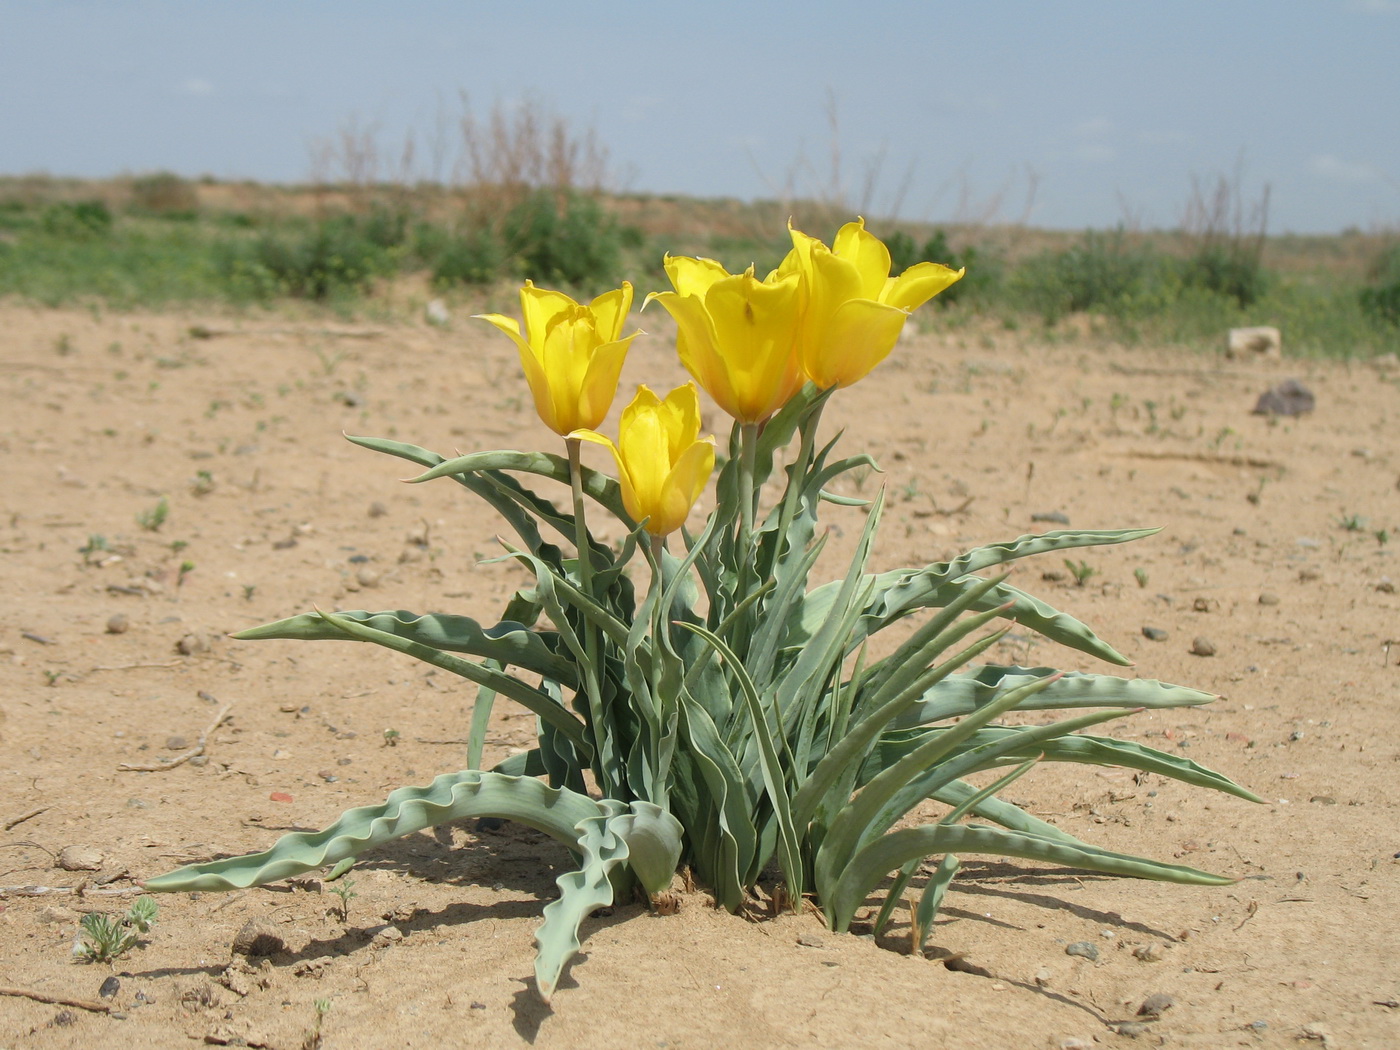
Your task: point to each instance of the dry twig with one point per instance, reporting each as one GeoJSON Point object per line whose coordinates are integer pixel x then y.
{"type": "Point", "coordinates": [183, 756]}
{"type": "Point", "coordinates": [57, 1000]}
{"type": "Point", "coordinates": [16, 821]}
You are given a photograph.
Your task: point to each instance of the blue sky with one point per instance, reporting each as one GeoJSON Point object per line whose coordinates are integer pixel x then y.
{"type": "Point", "coordinates": [1106, 109]}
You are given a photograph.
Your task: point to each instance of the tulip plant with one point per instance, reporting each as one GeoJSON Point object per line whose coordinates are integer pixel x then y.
{"type": "Point", "coordinates": [700, 700]}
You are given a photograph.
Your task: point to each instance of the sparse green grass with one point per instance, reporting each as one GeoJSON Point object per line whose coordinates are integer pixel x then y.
{"type": "Point", "coordinates": [63, 243]}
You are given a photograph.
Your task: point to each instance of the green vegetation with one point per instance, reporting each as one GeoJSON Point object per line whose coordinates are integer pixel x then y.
{"type": "Point", "coordinates": [160, 240]}
{"type": "Point", "coordinates": [105, 937]}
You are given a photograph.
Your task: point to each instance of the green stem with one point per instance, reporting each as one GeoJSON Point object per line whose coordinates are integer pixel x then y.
{"type": "Point", "coordinates": [798, 476]}
{"type": "Point", "coordinates": [582, 542]}
{"type": "Point", "coordinates": [748, 490]}
{"type": "Point", "coordinates": [660, 628]}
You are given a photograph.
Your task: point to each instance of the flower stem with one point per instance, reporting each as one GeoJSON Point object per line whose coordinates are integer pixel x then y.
{"type": "Point", "coordinates": [799, 473]}
{"type": "Point", "coordinates": [589, 632]}
{"type": "Point", "coordinates": [748, 490]}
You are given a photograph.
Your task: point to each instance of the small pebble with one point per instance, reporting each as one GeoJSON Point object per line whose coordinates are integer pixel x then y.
{"type": "Point", "coordinates": [1309, 575]}
{"type": "Point", "coordinates": [110, 987]}
{"type": "Point", "coordinates": [80, 858]}
{"type": "Point", "coordinates": [176, 743]}
{"type": "Point", "coordinates": [1156, 1005]}
{"type": "Point", "coordinates": [1051, 517]}
{"type": "Point", "coordinates": [1154, 634]}
{"type": "Point", "coordinates": [258, 937]}
{"type": "Point", "coordinates": [1268, 599]}
{"type": "Point", "coordinates": [1042, 976]}
{"type": "Point", "coordinates": [385, 936]}
{"type": "Point", "coordinates": [377, 510]}
{"type": "Point", "coordinates": [1318, 1032]}
{"type": "Point", "coordinates": [191, 644]}
{"type": "Point", "coordinates": [1084, 949]}
{"type": "Point", "coordinates": [1148, 953]}
{"type": "Point", "coordinates": [118, 623]}
{"type": "Point", "coordinates": [1202, 646]}
{"type": "Point", "coordinates": [478, 1006]}
{"type": "Point", "coordinates": [1132, 1029]}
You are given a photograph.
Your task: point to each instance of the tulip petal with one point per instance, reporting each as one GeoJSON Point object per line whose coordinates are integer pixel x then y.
{"type": "Point", "coordinates": [696, 346]}
{"type": "Point", "coordinates": [867, 254]}
{"type": "Point", "coordinates": [540, 306]}
{"type": "Point", "coordinates": [610, 312]}
{"type": "Point", "coordinates": [693, 276]}
{"type": "Point", "coordinates": [918, 284]}
{"type": "Point", "coordinates": [683, 486]}
{"type": "Point", "coordinates": [599, 387]}
{"type": "Point", "coordinates": [645, 448]}
{"type": "Point", "coordinates": [681, 412]}
{"type": "Point", "coordinates": [755, 324]}
{"type": "Point", "coordinates": [859, 335]}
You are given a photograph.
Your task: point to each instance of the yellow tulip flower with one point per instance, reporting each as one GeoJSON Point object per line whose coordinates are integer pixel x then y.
{"type": "Point", "coordinates": [736, 335]}
{"type": "Point", "coordinates": [662, 465]}
{"type": "Point", "coordinates": [572, 353]}
{"type": "Point", "coordinates": [854, 310]}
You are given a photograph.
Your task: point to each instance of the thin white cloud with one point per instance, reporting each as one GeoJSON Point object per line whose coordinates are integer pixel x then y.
{"type": "Point", "coordinates": [1334, 169]}
{"type": "Point", "coordinates": [196, 86]}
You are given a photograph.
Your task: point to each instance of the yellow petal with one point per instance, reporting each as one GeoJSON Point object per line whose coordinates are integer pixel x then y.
{"type": "Point", "coordinates": [680, 413]}
{"type": "Point", "coordinates": [683, 486]}
{"type": "Point", "coordinates": [568, 346]}
{"type": "Point", "coordinates": [857, 337]}
{"type": "Point", "coordinates": [645, 449]}
{"type": "Point", "coordinates": [918, 284]}
{"type": "Point", "coordinates": [693, 276]}
{"type": "Point", "coordinates": [610, 311]}
{"type": "Point", "coordinates": [755, 326]}
{"type": "Point", "coordinates": [697, 345]}
{"type": "Point", "coordinates": [599, 387]}
{"type": "Point", "coordinates": [867, 254]}
{"type": "Point", "coordinates": [540, 306]}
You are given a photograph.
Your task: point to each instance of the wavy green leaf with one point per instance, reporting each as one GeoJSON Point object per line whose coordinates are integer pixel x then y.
{"type": "Point", "coordinates": [959, 695]}
{"type": "Point", "coordinates": [452, 796]}
{"type": "Point", "coordinates": [897, 848]}
{"type": "Point", "coordinates": [643, 836]}
{"type": "Point", "coordinates": [507, 642]}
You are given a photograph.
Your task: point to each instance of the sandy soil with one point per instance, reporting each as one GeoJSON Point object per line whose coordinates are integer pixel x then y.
{"type": "Point", "coordinates": [110, 654]}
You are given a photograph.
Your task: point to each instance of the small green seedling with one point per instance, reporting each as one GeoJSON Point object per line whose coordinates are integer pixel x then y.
{"type": "Point", "coordinates": [1140, 574]}
{"type": "Point", "coordinates": [345, 890]}
{"type": "Point", "coordinates": [95, 542]}
{"type": "Point", "coordinates": [105, 937]}
{"type": "Point", "coordinates": [392, 737]}
{"type": "Point", "coordinates": [186, 567]}
{"type": "Point", "coordinates": [312, 1039]}
{"type": "Point", "coordinates": [151, 520]}
{"type": "Point", "coordinates": [1352, 522]}
{"type": "Point", "coordinates": [1081, 571]}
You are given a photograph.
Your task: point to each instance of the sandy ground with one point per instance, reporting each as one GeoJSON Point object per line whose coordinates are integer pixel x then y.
{"type": "Point", "coordinates": [113, 651]}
